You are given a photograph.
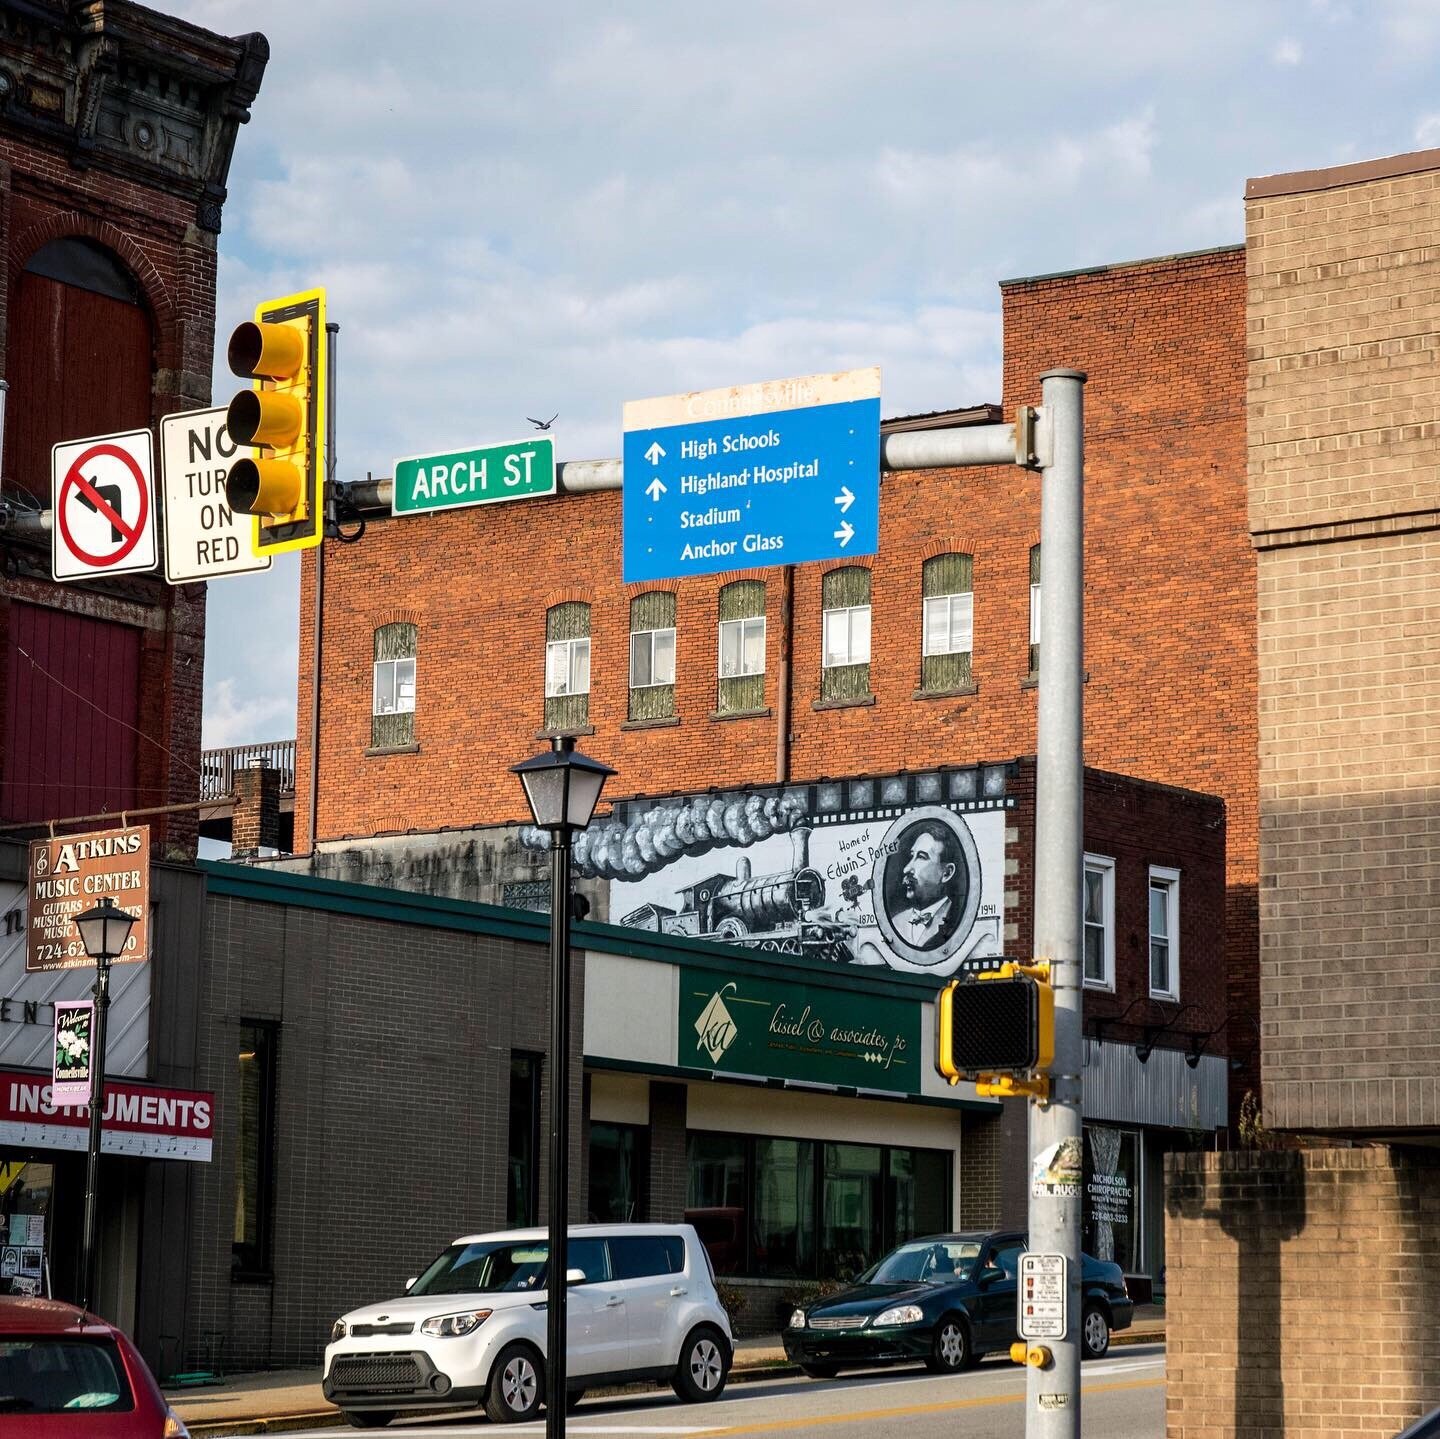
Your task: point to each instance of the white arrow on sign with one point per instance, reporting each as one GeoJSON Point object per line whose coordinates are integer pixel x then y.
{"type": "Point", "coordinates": [845, 533]}
{"type": "Point", "coordinates": [654, 454]}
{"type": "Point", "coordinates": [845, 498]}
{"type": "Point", "coordinates": [655, 489]}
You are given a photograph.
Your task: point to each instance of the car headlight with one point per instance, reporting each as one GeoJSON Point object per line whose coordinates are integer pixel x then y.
{"type": "Point", "coordinates": [797, 1319]}
{"type": "Point", "coordinates": [339, 1331]}
{"type": "Point", "coordinates": [452, 1326]}
{"type": "Point", "coordinates": [900, 1314]}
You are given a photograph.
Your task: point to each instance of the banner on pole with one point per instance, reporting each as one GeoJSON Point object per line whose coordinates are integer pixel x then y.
{"type": "Point", "coordinates": [72, 1076]}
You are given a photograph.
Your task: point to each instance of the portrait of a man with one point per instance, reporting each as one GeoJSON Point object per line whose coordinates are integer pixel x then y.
{"type": "Point", "coordinates": [930, 880]}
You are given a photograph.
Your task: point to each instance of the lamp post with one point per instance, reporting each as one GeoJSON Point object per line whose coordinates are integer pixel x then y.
{"type": "Point", "coordinates": [562, 789]}
{"type": "Point", "coordinates": [103, 932]}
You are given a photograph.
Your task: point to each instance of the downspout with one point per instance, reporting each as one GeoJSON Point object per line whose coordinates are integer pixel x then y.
{"type": "Point", "coordinates": [332, 330]}
{"type": "Point", "coordinates": [782, 697]}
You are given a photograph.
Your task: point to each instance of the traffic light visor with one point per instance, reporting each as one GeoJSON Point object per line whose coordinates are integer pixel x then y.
{"type": "Point", "coordinates": [265, 417]}
{"type": "Point", "coordinates": [264, 487]}
{"type": "Point", "coordinates": [262, 351]}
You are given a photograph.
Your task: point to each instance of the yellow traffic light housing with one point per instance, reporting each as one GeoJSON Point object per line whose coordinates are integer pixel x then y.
{"type": "Point", "coordinates": [998, 1029]}
{"type": "Point", "coordinates": [283, 416]}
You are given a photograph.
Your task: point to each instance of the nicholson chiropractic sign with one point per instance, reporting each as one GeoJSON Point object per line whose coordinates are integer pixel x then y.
{"type": "Point", "coordinates": [782, 1029]}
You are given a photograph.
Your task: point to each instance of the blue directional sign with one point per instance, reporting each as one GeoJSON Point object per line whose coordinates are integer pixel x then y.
{"type": "Point", "coordinates": [770, 474]}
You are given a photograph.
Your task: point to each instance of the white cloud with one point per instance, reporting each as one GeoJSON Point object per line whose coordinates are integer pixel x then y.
{"type": "Point", "coordinates": [233, 718]}
{"type": "Point", "coordinates": [1288, 52]}
{"type": "Point", "coordinates": [1427, 131]}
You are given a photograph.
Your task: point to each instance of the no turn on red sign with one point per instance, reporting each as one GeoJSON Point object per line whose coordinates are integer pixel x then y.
{"type": "Point", "coordinates": [102, 493]}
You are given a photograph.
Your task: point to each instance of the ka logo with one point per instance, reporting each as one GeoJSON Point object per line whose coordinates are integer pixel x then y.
{"type": "Point", "coordinates": [715, 1026]}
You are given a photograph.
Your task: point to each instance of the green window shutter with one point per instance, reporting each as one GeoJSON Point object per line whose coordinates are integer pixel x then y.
{"type": "Point", "coordinates": [390, 731]}
{"type": "Point", "coordinates": [845, 682]}
{"type": "Point", "coordinates": [946, 575]}
{"type": "Point", "coordinates": [655, 611]}
{"type": "Point", "coordinates": [570, 621]}
{"type": "Point", "coordinates": [844, 589]}
{"type": "Point", "coordinates": [741, 693]}
{"type": "Point", "coordinates": [742, 600]}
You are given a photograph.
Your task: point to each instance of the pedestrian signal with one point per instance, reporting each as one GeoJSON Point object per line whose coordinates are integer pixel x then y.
{"type": "Point", "coordinates": [998, 1023]}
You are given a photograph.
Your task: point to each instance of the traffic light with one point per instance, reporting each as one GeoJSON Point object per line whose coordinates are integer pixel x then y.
{"type": "Point", "coordinates": [283, 416]}
{"type": "Point", "coordinates": [999, 1023]}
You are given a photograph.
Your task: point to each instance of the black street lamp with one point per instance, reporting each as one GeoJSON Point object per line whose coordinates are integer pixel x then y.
{"type": "Point", "coordinates": [103, 932]}
{"type": "Point", "coordinates": [562, 789]}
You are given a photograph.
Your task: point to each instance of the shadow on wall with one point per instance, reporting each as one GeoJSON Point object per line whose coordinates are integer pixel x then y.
{"type": "Point", "coordinates": [1257, 1198]}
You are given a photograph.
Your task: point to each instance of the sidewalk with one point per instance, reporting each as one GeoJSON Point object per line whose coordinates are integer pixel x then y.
{"type": "Point", "coordinates": [284, 1399]}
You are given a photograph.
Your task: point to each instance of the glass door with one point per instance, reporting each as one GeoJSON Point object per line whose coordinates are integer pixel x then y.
{"type": "Point", "coordinates": [27, 1189]}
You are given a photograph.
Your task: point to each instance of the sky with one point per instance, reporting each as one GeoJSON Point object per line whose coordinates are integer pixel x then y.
{"type": "Point", "coordinates": [520, 210]}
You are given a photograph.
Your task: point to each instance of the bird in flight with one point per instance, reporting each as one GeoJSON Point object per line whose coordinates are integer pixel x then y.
{"type": "Point", "coordinates": [543, 424]}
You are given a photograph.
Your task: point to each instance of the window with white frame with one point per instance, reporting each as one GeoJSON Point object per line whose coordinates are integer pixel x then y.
{"type": "Point", "coordinates": [1035, 609]}
{"type": "Point", "coordinates": [652, 656]}
{"type": "Point", "coordinates": [1164, 932]}
{"type": "Point", "coordinates": [392, 705]}
{"type": "Point", "coordinates": [567, 666]}
{"type": "Point", "coordinates": [845, 641]}
{"type": "Point", "coordinates": [741, 649]}
{"type": "Point", "coordinates": [948, 622]}
{"type": "Point", "coordinates": [1098, 899]}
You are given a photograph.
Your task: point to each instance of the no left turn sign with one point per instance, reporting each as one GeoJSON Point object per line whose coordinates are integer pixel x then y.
{"type": "Point", "coordinates": [102, 493]}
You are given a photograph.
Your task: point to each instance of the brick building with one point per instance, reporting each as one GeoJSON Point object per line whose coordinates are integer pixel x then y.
{"type": "Point", "coordinates": [116, 130]}
{"type": "Point", "coordinates": [1273, 1255]}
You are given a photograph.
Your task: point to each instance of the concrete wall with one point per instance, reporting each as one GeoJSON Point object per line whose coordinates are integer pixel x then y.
{"type": "Point", "coordinates": [1303, 1286]}
{"type": "Point", "coordinates": [1343, 328]}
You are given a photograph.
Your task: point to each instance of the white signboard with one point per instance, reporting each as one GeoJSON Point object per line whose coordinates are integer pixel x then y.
{"type": "Point", "coordinates": [102, 493]}
{"type": "Point", "coordinates": [1042, 1296]}
{"type": "Point", "coordinates": [203, 537]}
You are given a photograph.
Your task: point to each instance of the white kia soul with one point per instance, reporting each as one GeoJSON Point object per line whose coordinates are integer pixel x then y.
{"type": "Point", "coordinates": [641, 1304]}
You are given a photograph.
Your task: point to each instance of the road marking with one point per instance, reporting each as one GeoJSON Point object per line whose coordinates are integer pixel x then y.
{"type": "Point", "coordinates": [815, 1421]}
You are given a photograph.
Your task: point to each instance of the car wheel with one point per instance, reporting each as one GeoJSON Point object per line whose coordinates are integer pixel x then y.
{"type": "Point", "coordinates": [366, 1418]}
{"type": "Point", "coordinates": [1095, 1333]}
{"type": "Point", "coordinates": [820, 1371]}
{"type": "Point", "coordinates": [517, 1384]}
{"type": "Point", "coordinates": [704, 1366]}
{"type": "Point", "coordinates": [950, 1349]}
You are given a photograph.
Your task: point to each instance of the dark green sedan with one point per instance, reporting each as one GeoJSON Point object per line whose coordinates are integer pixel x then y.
{"type": "Point", "coordinates": [944, 1301]}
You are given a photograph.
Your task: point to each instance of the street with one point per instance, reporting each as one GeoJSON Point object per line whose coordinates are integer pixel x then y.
{"type": "Point", "coordinates": [1124, 1399]}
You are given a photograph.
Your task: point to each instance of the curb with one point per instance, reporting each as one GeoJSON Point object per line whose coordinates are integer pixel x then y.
{"type": "Point", "coordinates": [329, 1418]}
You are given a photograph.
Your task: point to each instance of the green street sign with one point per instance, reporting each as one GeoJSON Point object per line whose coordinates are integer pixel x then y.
{"type": "Point", "coordinates": [788, 1029]}
{"type": "Point", "coordinates": [485, 476]}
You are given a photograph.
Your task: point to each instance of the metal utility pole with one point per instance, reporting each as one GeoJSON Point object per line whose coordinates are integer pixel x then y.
{"type": "Point", "coordinates": [1052, 1407]}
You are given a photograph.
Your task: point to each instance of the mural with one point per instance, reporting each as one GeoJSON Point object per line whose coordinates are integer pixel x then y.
{"type": "Point", "coordinates": [906, 871]}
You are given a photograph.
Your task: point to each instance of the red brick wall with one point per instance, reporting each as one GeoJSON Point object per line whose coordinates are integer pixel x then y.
{"type": "Point", "coordinates": [1170, 604]}
{"type": "Point", "coordinates": [154, 234]}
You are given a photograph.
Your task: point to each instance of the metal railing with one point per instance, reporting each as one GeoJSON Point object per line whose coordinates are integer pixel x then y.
{"type": "Point", "coordinates": [218, 766]}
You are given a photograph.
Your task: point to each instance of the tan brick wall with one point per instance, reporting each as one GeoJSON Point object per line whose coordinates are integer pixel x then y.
{"type": "Point", "coordinates": [1343, 325]}
{"type": "Point", "coordinates": [1302, 1289]}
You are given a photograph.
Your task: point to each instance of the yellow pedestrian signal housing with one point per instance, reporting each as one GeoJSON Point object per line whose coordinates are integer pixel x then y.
{"type": "Point", "coordinates": [283, 416]}
{"type": "Point", "coordinates": [997, 1028]}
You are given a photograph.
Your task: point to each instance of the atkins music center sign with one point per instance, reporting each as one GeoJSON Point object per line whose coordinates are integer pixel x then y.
{"type": "Point", "coordinates": [71, 874]}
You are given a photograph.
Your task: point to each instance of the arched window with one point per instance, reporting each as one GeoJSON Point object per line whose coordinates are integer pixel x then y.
{"type": "Point", "coordinates": [845, 660]}
{"type": "Point", "coordinates": [652, 656]}
{"type": "Point", "coordinates": [948, 622]}
{"type": "Point", "coordinates": [392, 711]}
{"type": "Point", "coordinates": [567, 666]}
{"type": "Point", "coordinates": [81, 355]}
{"type": "Point", "coordinates": [1034, 610]}
{"type": "Point", "coordinates": [742, 647]}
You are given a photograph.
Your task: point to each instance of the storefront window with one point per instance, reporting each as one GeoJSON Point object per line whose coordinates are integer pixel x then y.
{"type": "Point", "coordinates": [784, 1207]}
{"type": "Point", "coordinates": [852, 1210]}
{"type": "Point", "coordinates": [26, 1196]}
{"type": "Point", "coordinates": [618, 1173]}
{"type": "Point", "coordinates": [1112, 1195]}
{"type": "Point", "coordinates": [919, 1197]}
{"type": "Point", "coordinates": [716, 1203]}
{"type": "Point", "coordinates": [521, 1207]}
{"type": "Point", "coordinates": [255, 1161]}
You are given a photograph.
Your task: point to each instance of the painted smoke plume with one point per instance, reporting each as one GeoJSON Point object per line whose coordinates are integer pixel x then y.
{"type": "Point", "coordinates": [659, 836]}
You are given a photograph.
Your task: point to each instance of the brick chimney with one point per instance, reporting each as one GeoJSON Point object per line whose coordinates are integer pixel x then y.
{"type": "Point", "coordinates": [255, 824]}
